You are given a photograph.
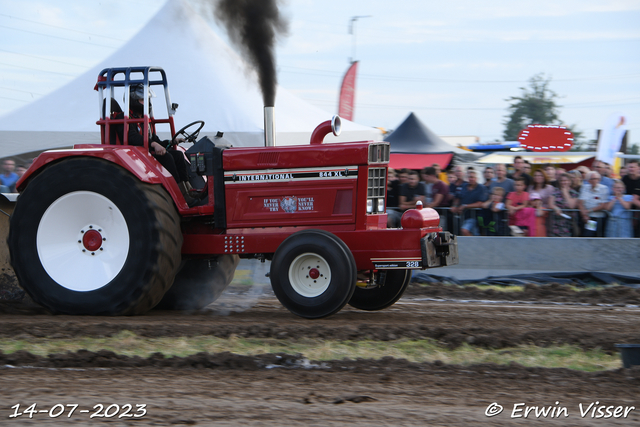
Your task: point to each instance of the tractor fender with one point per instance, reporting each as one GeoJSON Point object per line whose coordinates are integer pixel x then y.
{"type": "Point", "coordinates": [137, 160]}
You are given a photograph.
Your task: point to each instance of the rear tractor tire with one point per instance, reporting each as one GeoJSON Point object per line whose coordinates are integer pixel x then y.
{"type": "Point", "coordinates": [199, 283]}
{"type": "Point", "coordinates": [87, 237]}
{"type": "Point", "coordinates": [387, 288]}
{"type": "Point", "coordinates": [313, 274]}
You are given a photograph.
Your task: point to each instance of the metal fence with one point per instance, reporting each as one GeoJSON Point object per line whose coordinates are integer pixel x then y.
{"type": "Point", "coordinates": [491, 223]}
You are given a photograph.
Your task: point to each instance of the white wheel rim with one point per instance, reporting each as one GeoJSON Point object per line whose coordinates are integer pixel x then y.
{"type": "Point", "coordinates": [74, 259]}
{"type": "Point", "coordinates": [309, 275]}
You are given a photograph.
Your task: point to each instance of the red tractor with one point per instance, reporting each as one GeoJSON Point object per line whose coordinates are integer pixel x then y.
{"type": "Point", "coordinates": [105, 230]}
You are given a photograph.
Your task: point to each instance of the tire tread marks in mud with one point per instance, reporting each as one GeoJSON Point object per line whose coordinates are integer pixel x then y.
{"type": "Point", "coordinates": [154, 233]}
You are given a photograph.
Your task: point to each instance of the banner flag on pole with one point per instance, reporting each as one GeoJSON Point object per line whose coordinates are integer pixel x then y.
{"type": "Point", "coordinates": [346, 103]}
{"type": "Point", "coordinates": [611, 138]}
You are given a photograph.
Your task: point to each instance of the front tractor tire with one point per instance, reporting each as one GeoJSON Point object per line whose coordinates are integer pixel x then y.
{"type": "Point", "coordinates": [313, 274]}
{"type": "Point", "coordinates": [386, 288]}
{"type": "Point", "coordinates": [87, 237]}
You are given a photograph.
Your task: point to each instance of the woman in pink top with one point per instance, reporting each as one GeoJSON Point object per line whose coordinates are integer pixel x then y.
{"type": "Point", "coordinates": [544, 190]}
{"type": "Point", "coordinates": [520, 213]}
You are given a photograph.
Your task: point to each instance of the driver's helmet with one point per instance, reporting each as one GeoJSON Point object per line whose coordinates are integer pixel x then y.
{"type": "Point", "coordinates": [136, 92]}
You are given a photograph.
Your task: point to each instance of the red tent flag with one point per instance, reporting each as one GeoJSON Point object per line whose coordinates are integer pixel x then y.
{"type": "Point", "coordinates": [546, 138]}
{"type": "Point", "coordinates": [346, 103]}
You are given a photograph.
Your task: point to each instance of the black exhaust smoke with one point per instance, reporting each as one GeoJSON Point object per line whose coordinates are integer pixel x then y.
{"type": "Point", "coordinates": [253, 26]}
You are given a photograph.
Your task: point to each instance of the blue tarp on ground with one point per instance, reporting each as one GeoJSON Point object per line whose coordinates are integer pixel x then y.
{"type": "Point", "coordinates": [579, 278]}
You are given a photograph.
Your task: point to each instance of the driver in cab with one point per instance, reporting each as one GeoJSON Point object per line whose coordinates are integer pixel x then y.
{"type": "Point", "coordinates": [172, 160]}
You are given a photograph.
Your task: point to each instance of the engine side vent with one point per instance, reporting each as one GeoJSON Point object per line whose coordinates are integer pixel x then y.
{"type": "Point", "coordinates": [268, 158]}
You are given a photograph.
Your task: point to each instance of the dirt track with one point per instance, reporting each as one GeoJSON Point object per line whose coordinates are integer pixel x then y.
{"type": "Point", "coordinates": [227, 389]}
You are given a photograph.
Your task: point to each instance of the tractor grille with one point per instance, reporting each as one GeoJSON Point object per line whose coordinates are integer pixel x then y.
{"type": "Point", "coordinates": [376, 190]}
{"type": "Point", "coordinates": [377, 182]}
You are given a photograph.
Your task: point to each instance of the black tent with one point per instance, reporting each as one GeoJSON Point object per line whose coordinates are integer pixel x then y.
{"type": "Point", "coordinates": [414, 146]}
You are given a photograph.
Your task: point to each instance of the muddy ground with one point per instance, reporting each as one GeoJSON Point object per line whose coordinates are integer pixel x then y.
{"type": "Point", "coordinates": [226, 389]}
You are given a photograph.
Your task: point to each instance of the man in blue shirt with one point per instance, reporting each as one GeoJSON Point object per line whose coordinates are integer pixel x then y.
{"type": "Point", "coordinates": [501, 180]}
{"type": "Point", "coordinates": [8, 178]}
{"type": "Point", "coordinates": [601, 168]}
{"type": "Point", "coordinates": [471, 196]}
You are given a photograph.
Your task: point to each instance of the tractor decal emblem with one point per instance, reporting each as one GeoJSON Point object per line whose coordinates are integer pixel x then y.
{"type": "Point", "coordinates": [266, 177]}
{"type": "Point", "coordinates": [286, 175]}
{"type": "Point", "coordinates": [305, 203]}
{"type": "Point", "coordinates": [289, 204]}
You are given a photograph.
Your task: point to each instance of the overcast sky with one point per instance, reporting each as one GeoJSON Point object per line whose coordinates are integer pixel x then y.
{"type": "Point", "coordinates": [452, 63]}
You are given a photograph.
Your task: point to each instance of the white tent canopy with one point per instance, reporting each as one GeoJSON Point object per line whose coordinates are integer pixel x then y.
{"type": "Point", "coordinates": [206, 78]}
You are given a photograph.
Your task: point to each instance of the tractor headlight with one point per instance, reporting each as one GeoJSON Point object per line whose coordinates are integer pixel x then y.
{"type": "Point", "coordinates": [381, 205]}
{"type": "Point", "coordinates": [369, 206]}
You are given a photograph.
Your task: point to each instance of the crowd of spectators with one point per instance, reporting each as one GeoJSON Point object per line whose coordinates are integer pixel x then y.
{"type": "Point", "coordinates": [10, 175]}
{"type": "Point", "coordinates": [536, 202]}
{"type": "Point", "coordinates": [541, 202]}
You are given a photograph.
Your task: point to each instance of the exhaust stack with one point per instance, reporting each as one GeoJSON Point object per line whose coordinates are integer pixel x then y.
{"type": "Point", "coordinates": [325, 128]}
{"type": "Point", "coordinates": [269, 127]}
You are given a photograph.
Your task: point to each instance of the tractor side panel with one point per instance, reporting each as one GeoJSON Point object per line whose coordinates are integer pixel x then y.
{"type": "Point", "coordinates": [291, 197]}
{"type": "Point", "coordinates": [296, 156]}
{"type": "Point", "coordinates": [392, 248]}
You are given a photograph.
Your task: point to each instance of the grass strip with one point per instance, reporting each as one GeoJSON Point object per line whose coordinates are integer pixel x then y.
{"type": "Point", "coordinates": [426, 350]}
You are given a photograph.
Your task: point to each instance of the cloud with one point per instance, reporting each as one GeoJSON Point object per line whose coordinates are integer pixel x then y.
{"type": "Point", "coordinates": [37, 11]}
{"type": "Point", "coordinates": [585, 27]}
{"type": "Point", "coordinates": [467, 10]}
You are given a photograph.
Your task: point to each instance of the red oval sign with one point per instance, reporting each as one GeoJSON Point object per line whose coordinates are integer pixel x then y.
{"type": "Point", "coordinates": [546, 138]}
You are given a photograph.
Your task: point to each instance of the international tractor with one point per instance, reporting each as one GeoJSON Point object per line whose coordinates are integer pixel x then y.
{"type": "Point", "coordinates": [103, 229]}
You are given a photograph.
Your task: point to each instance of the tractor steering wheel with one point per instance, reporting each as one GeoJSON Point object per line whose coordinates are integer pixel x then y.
{"type": "Point", "coordinates": [188, 137]}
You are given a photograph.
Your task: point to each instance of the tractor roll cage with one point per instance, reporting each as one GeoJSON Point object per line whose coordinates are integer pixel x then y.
{"type": "Point", "coordinates": [108, 80]}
